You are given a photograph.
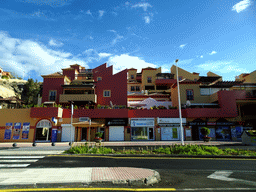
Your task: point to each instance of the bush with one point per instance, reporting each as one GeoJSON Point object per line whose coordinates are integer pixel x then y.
{"type": "Point", "coordinates": [205, 131]}
{"type": "Point", "coordinates": [98, 134]}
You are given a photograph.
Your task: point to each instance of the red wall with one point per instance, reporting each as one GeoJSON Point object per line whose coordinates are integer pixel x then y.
{"type": "Point", "coordinates": [102, 71]}
{"type": "Point", "coordinates": [75, 67]}
{"type": "Point", "coordinates": [44, 112]}
{"type": "Point", "coordinates": [52, 84]}
{"type": "Point", "coordinates": [117, 84]}
{"type": "Point", "coordinates": [69, 73]}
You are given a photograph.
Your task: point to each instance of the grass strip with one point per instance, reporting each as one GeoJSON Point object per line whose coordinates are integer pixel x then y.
{"type": "Point", "coordinates": [172, 149]}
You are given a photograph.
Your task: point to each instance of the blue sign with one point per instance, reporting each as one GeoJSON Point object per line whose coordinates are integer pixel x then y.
{"type": "Point", "coordinates": [54, 135]}
{"type": "Point", "coordinates": [223, 133]}
{"type": "Point", "coordinates": [25, 130]}
{"type": "Point", "coordinates": [8, 131]}
{"type": "Point", "coordinates": [16, 131]}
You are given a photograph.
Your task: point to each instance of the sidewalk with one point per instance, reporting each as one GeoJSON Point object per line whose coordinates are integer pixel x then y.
{"type": "Point", "coordinates": [115, 175]}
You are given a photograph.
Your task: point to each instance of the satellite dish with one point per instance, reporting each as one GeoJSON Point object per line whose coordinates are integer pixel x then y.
{"type": "Point", "coordinates": [188, 103]}
{"type": "Point", "coordinates": [111, 104]}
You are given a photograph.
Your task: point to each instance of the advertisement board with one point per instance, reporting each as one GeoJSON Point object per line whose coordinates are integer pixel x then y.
{"type": "Point", "coordinates": [16, 131]}
{"type": "Point", "coordinates": [8, 131]}
{"type": "Point", "coordinates": [223, 133]}
{"type": "Point", "coordinates": [25, 130]}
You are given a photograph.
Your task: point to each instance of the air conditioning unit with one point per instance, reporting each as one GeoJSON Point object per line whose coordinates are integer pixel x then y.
{"type": "Point", "coordinates": [84, 118]}
{"type": "Point", "coordinates": [188, 103]}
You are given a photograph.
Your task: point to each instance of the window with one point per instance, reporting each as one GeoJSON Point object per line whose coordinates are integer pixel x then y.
{"type": "Point", "coordinates": [149, 87]}
{"type": "Point", "coordinates": [52, 95]}
{"type": "Point", "coordinates": [99, 78]}
{"type": "Point", "coordinates": [132, 76]}
{"type": "Point", "coordinates": [106, 93]}
{"type": "Point", "coordinates": [180, 78]}
{"type": "Point", "coordinates": [149, 79]}
{"type": "Point", "coordinates": [137, 88]}
{"type": "Point", "coordinates": [205, 91]}
{"type": "Point", "coordinates": [190, 94]}
{"type": "Point", "coordinates": [132, 88]}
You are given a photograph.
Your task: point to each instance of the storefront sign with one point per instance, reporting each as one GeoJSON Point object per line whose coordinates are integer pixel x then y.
{"type": "Point", "coordinates": [116, 122]}
{"type": "Point", "coordinates": [8, 131]}
{"type": "Point", "coordinates": [197, 123]}
{"type": "Point", "coordinates": [225, 123]}
{"type": "Point", "coordinates": [25, 130]}
{"type": "Point", "coordinates": [16, 131]}
{"type": "Point", "coordinates": [170, 120]}
{"type": "Point", "coordinates": [144, 122]}
{"type": "Point", "coordinates": [211, 123]}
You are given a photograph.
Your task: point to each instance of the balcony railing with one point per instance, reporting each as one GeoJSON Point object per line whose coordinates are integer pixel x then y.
{"type": "Point", "coordinates": [65, 98]}
{"type": "Point", "coordinates": [85, 71]}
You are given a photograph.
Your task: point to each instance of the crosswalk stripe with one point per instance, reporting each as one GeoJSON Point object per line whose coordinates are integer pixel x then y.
{"type": "Point", "coordinates": [14, 165]}
{"type": "Point", "coordinates": [21, 157]}
{"type": "Point", "coordinates": [22, 161]}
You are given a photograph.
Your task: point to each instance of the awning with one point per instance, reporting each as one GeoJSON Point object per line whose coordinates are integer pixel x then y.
{"type": "Point", "coordinates": [87, 124]}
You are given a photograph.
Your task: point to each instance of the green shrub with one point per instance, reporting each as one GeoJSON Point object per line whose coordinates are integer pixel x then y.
{"type": "Point", "coordinates": [205, 131]}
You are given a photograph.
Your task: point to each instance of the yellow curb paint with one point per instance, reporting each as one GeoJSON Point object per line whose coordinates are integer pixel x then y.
{"type": "Point", "coordinates": [210, 158]}
{"type": "Point", "coordinates": [91, 189]}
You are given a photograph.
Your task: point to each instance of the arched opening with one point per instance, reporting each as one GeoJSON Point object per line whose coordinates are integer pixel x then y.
{"type": "Point", "coordinates": [43, 131]}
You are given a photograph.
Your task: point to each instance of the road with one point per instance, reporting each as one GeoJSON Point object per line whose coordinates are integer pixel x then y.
{"type": "Point", "coordinates": [179, 173]}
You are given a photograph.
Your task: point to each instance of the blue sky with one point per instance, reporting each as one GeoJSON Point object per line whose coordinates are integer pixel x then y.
{"type": "Point", "coordinates": [39, 37]}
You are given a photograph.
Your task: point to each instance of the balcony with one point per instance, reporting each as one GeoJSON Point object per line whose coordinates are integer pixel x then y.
{"type": "Point", "coordinates": [165, 81]}
{"type": "Point", "coordinates": [86, 71]}
{"type": "Point", "coordinates": [66, 98]}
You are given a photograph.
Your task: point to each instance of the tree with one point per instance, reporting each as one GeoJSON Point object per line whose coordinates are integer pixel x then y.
{"type": "Point", "coordinates": [30, 92]}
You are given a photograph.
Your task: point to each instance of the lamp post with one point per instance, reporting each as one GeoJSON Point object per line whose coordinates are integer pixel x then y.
{"type": "Point", "coordinates": [180, 115]}
{"type": "Point", "coordinates": [72, 110]}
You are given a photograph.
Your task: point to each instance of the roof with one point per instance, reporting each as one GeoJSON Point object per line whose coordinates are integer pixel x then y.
{"type": "Point", "coordinates": [132, 69]}
{"type": "Point", "coordinates": [204, 79]}
{"type": "Point", "coordinates": [75, 65]}
{"type": "Point", "coordinates": [70, 68]}
{"type": "Point", "coordinates": [57, 74]}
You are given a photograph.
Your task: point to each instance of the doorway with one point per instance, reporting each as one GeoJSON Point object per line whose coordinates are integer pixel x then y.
{"type": "Point", "coordinates": [84, 134]}
{"type": "Point", "coordinates": [151, 133]}
{"type": "Point", "coordinates": [43, 131]}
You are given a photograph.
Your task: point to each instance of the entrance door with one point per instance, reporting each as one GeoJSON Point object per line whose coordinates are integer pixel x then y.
{"type": "Point", "coordinates": [151, 133]}
{"type": "Point", "coordinates": [84, 134]}
{"type": "Point", "coordinates": [116, 133]}
{"type": "Point", "coordinates": [43, 130]}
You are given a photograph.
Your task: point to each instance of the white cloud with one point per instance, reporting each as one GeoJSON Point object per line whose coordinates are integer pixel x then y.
{"type": "Point", "coordinates": [125, 61]}
{"type": "Point", "coordinates": [213, 52]}
{"type": "Point", "coordinates": [88, 12]}
{"type": "Point", "coordinates": [182, 46]}
{"type": "Point", "coordinates": [147, 19]}
{"type": "Point", "coordinates": [102, 55]}
{"type": "Point", "coordinates": [112, 31]}
{"type": "Point", "coordinates": [201, 56]}
{"type": "Point", "coordinates": [117, 38]}
{"type": "Point", "coordinates": [223, 67]}
{"type": "Point", "coordinates": [55, 43]}
{"type": "Point", "coordinates": [101, 12]}
{"type": "Point", "coordinates": [141, 5]}
{"type": "Point", "coordinates": [242, 5]}
{"type": "Point", "coordinates": [18, 55]}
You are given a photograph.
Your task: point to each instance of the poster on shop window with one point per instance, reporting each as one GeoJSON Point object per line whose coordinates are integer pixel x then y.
{"type": "Point", "coordinates": [16, 131]}
{"type": "Point", "coordinates": [25, 130]}
{"type": "Point", "coordinates": [223, 133]}
{"type": "Point", "coordinates": [8, 131]}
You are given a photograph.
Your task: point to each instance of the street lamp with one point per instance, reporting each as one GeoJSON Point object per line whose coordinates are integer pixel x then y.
{"type": "Point", "coordinates": [180, 115]}
{"type": "Point", "coordinates": [72, 110]}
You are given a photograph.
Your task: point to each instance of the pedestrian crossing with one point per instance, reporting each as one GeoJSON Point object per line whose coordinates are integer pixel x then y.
{"type": "Point", "coordinates": [18, 161]}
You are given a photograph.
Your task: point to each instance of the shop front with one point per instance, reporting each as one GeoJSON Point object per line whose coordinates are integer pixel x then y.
{"type": "Point", "coordinates": [142, 129]}
{"type": "Point", "coordinates": [44, 131]}
{"type": "Point", "coordinates": [196, 125]}
{"type": "Point", "coordinates": [170, 128]}
{"type": "Point", "coordinates": [223, 130]}
{"type": "Point", "coordinates": [116, 128]}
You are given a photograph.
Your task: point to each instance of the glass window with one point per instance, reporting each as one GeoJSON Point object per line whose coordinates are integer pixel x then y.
{"type": "Point", "coordinates": [149, 79]}
{"type": "Point", "coordinates": [180, 78]}
{"type": "Point", "coordinates": [106, 93]}
{"type": "Point", "coordinates": [132, 76]}
{"type": "Point", "coordinates": [132, 88]}
{"type": "Point", "coordinates": [190, 94]}
{"type": "Point", "coordinates": [99, 78]}
{"type": "Point", "coordinates": [52, 96]}
{"type": "Point", "coordinates": [137, 88]}
{"type": "Point", "coordinates": [139, 133]}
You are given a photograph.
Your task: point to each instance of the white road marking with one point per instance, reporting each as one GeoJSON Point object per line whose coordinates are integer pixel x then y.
{"type": "Point", "coordinates": [14, 165]}
{"type": "Point", "coordinates": [223, 175]}
{"type": "Point", "coordinates": [15, 161]}
{"type": "Point", "coordinates": [21, 157]}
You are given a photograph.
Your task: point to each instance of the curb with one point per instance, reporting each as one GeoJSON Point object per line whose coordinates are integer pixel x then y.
{"type": "Point", "coordinates": [161, 155]}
